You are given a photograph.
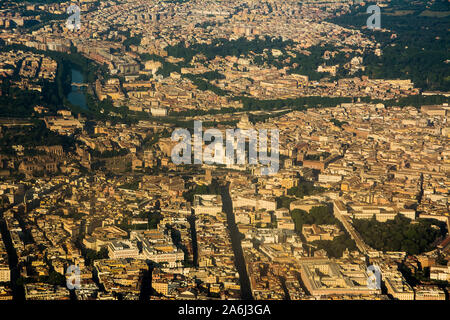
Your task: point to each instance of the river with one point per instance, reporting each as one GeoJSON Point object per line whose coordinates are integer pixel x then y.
{"type": "Point", "coordinates": [76, 95]}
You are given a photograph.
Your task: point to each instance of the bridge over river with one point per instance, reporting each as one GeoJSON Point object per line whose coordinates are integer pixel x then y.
{"type": "Point", "coordinates": [79, 84]}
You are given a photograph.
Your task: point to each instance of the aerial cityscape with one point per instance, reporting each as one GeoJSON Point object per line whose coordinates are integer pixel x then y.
{"type": "Point", "coordinates": [224, 150]}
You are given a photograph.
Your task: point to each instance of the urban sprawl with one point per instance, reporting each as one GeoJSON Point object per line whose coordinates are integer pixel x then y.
{"type": "Point", "coordinates": [362, 180]}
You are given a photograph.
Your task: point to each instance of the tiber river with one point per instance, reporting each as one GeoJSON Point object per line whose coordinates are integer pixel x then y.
{"type": "Point", "coordinates": [76, 95]}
